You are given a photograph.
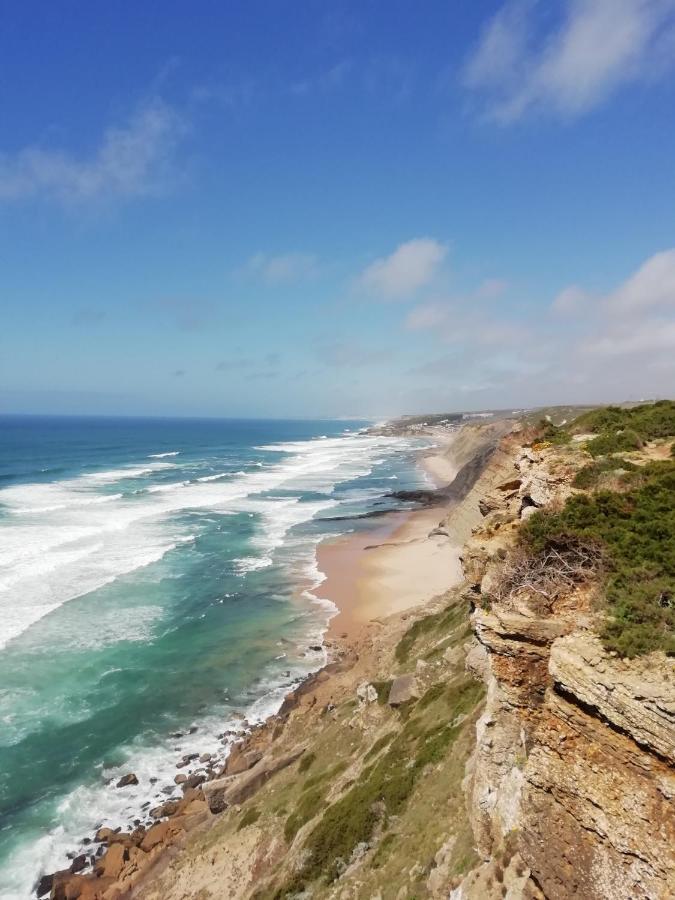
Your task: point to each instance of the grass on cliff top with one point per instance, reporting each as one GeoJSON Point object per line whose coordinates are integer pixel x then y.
{"type": "Point", "coordinates": [636, 526]}
{"type": "Point", "coordinates": [385, 785]}
{"type": "Point", "coordinates": [618, 429]}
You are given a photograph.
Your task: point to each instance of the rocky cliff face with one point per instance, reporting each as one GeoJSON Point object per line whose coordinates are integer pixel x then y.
{"type": "Point", "coordinates": [571, 786]}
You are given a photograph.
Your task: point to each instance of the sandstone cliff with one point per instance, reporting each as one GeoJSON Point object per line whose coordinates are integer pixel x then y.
{"type": "Point", "coordinates": [571, 786]}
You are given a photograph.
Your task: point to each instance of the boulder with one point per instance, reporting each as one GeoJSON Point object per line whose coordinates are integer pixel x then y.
{"type": "Point", "coordinates": [155, 835]}
{"type": "Point", "coordinates": [224, 792]}
{"type": "Point", "coordinates": [127, 780]}
{"type": "Point", "coordinates": [44, 885]}
{"type": "Point", "coordinates": [240, 760]}
{"type": "Point", "coordinates": [366, 693]}
{"type": "Point", "coordinates": [403, 688]}
{"type": "Point", "coordinates": [168, 808]}
{"type": "Point", "coordinates": [103, 835]}
{"type": "Point", "coordinates": [179, 779]}
{"type": "Point", "coordinates": [79, 863]}
{"type": "Point", "coordinates": [193, 781]}
{"type": "Point", "coordinates": [112, 862]}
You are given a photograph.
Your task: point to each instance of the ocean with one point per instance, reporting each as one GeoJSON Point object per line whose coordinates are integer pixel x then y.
{"type": "Point", "coordinates": [156, 592]}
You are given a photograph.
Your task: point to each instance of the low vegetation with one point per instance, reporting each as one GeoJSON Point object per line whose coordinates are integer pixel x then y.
{"type": "Point", "coordinates": [383, 788]}
{"type": "Point", "coordinates": [444, 621]}
{"type": "Point", "coordinates": [636, 529]}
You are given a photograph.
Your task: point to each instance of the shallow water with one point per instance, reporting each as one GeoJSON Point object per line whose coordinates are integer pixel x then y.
{"type": "Point", "coordinates": [155, 575]}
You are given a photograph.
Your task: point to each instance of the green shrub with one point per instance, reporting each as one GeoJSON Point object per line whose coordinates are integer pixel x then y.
{"type": "Point", "coordinates": [614, 442]}
{"type": "Point", "coordinates": [637, 529]}
{"type": "Point", "coordinates": [649, 420]}
{"type": "Point", "coordinates": [554, 434]}
{"type": "Point", "coordinates": [589, 476]}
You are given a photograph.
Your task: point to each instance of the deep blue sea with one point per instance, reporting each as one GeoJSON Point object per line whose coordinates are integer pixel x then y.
{"type": "Point", "coordinates": [156, 576]}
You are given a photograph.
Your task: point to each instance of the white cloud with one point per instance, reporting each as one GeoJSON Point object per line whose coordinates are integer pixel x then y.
{"type": "Point", "coordinates": [129, 161]}
{"type": "Point", "coordinates": [653, 285]}
{"type": "Point", "coordinates": [568, 68]}
{"type": "Point", "coordinates": [284, 268]}
{"type": "Point", "coordinates": [634, 338]}
{"type": "Point", "coordinates": [411, 266]}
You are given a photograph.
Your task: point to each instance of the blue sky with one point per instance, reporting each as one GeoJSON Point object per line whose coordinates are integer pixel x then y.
{"type": "Point", "coordinates": [335, 208]}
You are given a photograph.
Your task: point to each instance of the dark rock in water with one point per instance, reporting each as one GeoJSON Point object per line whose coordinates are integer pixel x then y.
{"type": "Point", "coordinates": [126, 780]}
{"type": "Point", "coordinates": [79, 863]}
{"type": "Point", "coordinates": [193, 730]}
{"type": "Point", "coordinates": [177, 734]}
{"type": "Point", "coordinates": [167, 808]}
{"type": "Point", "coordinates": [86, 841]}
{"type": "Point", "coordinates": [168, 789]}
{"type": "Point", "coordinates": [179, 779]}
{"type": "Point", "coordinates": [316, 648]}
{"type": "Point", "coordinates": [44, 885]}
{"type": "Point", "coordinates": [103, 835]}
{"type": "Point", "coordinates": [190, 756]}
{"type": "Point", "coordinates": [153, 780]}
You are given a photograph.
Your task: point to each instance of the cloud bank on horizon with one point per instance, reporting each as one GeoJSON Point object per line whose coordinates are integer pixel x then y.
{"type": "Point", "coordinates": [470, 209]}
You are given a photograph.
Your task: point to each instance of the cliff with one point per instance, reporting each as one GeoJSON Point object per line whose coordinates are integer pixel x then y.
{"type": "Point", "coordinates": [571, 786]}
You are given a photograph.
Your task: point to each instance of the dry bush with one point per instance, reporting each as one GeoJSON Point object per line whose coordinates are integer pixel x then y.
{"type": "Point", "coordinates": [545, 576]}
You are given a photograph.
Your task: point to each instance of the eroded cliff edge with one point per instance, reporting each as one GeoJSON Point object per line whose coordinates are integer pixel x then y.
{"type": "Point", "coordinates": [571, 787]}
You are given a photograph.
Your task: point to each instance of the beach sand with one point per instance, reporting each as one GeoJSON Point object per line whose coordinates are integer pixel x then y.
{"type": "Point", "coordinates": [396, 566]}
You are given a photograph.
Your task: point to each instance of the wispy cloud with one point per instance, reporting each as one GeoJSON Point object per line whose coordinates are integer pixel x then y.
{"type": "Point", "coordinates": [410, 267]}
{"type": "Point", "coordinates": [284, 268]}
{"type": "Point", "coordinates": [131, 160]}
{"type": "Point", "coordinates": [527, 60]}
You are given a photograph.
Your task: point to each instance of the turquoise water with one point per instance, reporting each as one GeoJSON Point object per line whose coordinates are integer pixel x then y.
{"type": "Point", "coordinates": [155, 577]}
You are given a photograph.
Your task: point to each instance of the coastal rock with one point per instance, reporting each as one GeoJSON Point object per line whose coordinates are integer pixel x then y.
{"type": "Point", "coordinates": [241, 759]}
{"type": "Point", "coordinates": [103, 835]}
{"type": "Point", "coordinates": [403, 688]}
{"type": "Point", "coordinates": [636, 698]}
{"type": "Point", "coordinates": [127, 780]}
{"type": "Point", "coordinates": [44, 885]}
{"type": "Point", "coordinates": [111, 863]}
{"type": "Point", "coordinates": [180, 779]}
{"type": "Point", "coordinates": [79, 863]}
{"type": "Point", "coordinates": [224, 792]}
{"type": "Point", "coordinates": [366, 693]}
{"type": "Point", "coordinates": [156, 835]}
{"type": "Point", "coordinates": [167, 808]}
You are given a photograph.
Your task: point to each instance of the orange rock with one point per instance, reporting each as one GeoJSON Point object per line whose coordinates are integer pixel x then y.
{"type": "Point", "coordinates": [157, 834]}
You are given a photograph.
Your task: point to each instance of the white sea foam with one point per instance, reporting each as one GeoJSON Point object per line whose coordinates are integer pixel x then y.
{"type": "Point", "coordinates": [90, 806]}
{"type": "Point", "coordinates": [84, 538]}
{"type": "Point", "coordinates": [162, 455]}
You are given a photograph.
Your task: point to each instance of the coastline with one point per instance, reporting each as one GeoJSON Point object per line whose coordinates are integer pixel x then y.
{"type": "Point", "coordinates": [399, 564]}
{"type": "Point", "coordinates": [378, 573]}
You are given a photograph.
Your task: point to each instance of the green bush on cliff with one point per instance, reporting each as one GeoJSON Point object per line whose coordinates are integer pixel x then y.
{"type": "Point", "coordinates": [590, 475]}
{"type": "Point", "coordinates": [637, 528]}
{"type": "Point", "coordinates": [614, 442]}
{"type": "Point", "coordinates": [621, 429]}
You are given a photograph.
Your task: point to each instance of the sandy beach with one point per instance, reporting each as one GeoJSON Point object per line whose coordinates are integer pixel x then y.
{"type": "Point", "coordinates": [398, 565]}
